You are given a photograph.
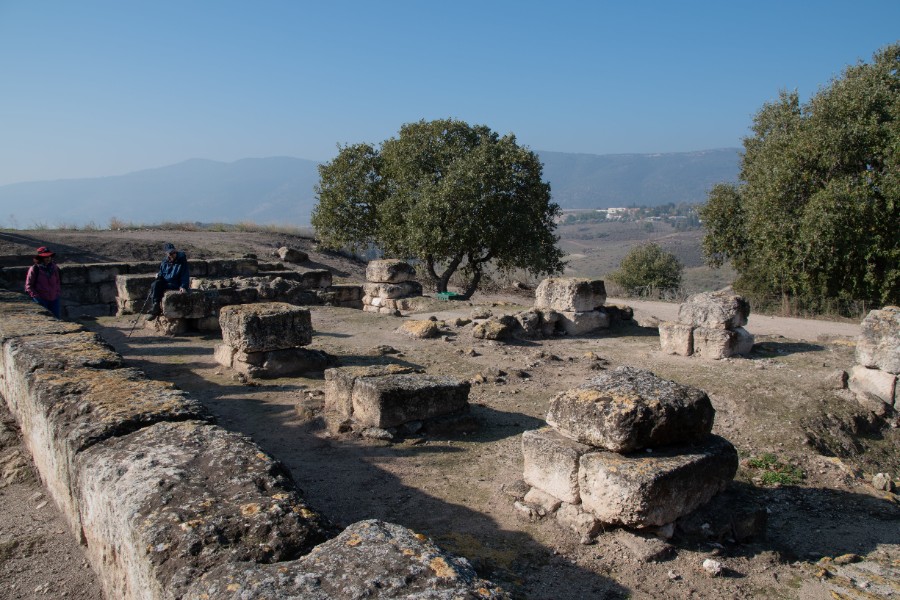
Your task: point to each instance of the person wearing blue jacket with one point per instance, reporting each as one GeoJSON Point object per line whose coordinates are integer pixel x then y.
{"type": "Point", "coordinates": [174, 274]}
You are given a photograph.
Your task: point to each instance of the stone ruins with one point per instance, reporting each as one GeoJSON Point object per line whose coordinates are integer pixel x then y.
{"type": "Point", "coordinates": [626, 448]}
{"type": "Point", "coordinates": [390, 286]}
{"type": "Point", "coordinates": [265, 340]}
{"type": "Point", "coordinates": [874, 378]}
{"type": "Point", "coordinates": [562, 306]}
{"type": "Point", "coordinates": [709, 325]}
{"type": "Point", "coordinates": [390, 401]}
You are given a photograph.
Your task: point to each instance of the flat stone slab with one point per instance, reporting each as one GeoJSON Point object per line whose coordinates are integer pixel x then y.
{"type": "Point", "coordinates": [19, 317]}
{"type": "Point", "coordinates": [570, 294]}
{"type": "Point", "coordinates": [338, 408]}
{"type": "Point", "coordinates": [628, 409]}
{"type": "Point", "coordinates": [135, 288]}
{"type": "Point", "coordinates": [186, 305]}
{"type": "Point", "coordinates": [874, 382]}
{"type": "Point", "coordinates": [369, 559]}
{"type": "Point", "coordinates": [551, 463]}
{"type": "Point", "coordinates": [393, 400]}
{"type": "Point", "coordinates": [265, 326]}
{"type": "Point", "coordinates": [654, 489]}
{"type": "Point", "coordinates": [389, 271]}
{"type": "Point", "coordinates": [173, 500]}
{"type": "Point", "coordinates": [878, 345]}
{"type": "Point", "coordinates": [714, 310]}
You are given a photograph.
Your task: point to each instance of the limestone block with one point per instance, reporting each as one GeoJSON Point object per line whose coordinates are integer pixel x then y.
{"type": "Point", "coordinates": [549, 322]}
{"type": "Point", "coordinates": [63, 412]}
{"type": "Point", "coordinates": [206, 324]}
{"type": "Point", "coordinates": [315, 279]}
{"type": "Point", "coordinates": [389, 271]}
{"type": "Point", "coordinates": [530, 323]}
{"type": "Point", "coordinates": [579, 323]}
{"type": "Point", "coordinates": [19, 317]}
{"type": "Point", "coordinates": [223, 354]}
{"type": "Point", "coordinates": [676, 338]}
{"type": "Point", "coordinates": [226, 267]}
{"type": "Point", "coordinates": [186, 305]}
{"type": "Point", "coordinates": [874, 382]}
{"type": "Point", "coordinates": [346, 293]}
{"type": "Point", "coordinates": [715, 344]}
{"type": "Point", "coordinates": [152, 268]}
{"type": "Point", "coordinates": [628, 409]}
{"type": "Point", "coordinates": [339, 388]}
{"type": "Point", "coordinates": [714, 310]}
{"type": "Point", "coordinates": [272, 364]}
{"type": "Point", "coordinates": [545, 502]}
{"type": "Point", "coordinates": [393, 400]}
{"type": "Point", "coordinates": [743, 343]}
{"type": "Point", "coordinates": [496, 328]}
{"type": "Point", "coordinates": [570, 294]}
{"type": "Point", "coordinates": [134, 287]}
{"type": "Point", "coordinates": [878, 345]}
{"type": "Point", "coordinates": [646, 490]}
{"type": "Point", "coordinates": [393, 290]}
{"type": "Point", "coordinates": [172, 500]}
{"type": "Point", "coordinates": [265, 326]}
{"type": "Point", "coordinates": [369, 559]}
{"type": "Point", "coordinates": [551, 463]}
{"type": "Point", "coordinates": [105, 272]}
{"type": "Point", "coordinates": [73, 275]}
{"type": "Point", "coordinates": [292, 255]}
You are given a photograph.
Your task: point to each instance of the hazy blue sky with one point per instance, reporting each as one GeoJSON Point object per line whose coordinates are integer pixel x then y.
{"type": "Point", "coordinates": [91, 88]}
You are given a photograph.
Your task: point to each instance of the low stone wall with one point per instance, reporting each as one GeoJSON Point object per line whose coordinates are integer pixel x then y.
{"type": "Point", "coordinates": [169, 505]}
{"type": "Point", "coordinates": [91, 289]}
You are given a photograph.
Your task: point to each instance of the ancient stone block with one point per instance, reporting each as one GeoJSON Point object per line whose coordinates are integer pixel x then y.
{"type": "Point", "coordinates": [878, 345]}
{"type": "Point", "coordinates": [743, 341]}
{"type": "Point", "coordinates": [530, 323]}
{"type": "Point", "coordinates": [369, 559]}
{"type": "Point", "coordinates": [551, 463]}
{"type": "Point", "coordinates": [225, 267]}
{"type": "Point", "coordinates": [315, 279]}
{"type": "Point", "coordinates": [628, 409]}
{"type": "Point", "coordinates": [339, 388]}
{"type": "Point", "coordinates": [134, 287]}
{"type": "Point", "coordinates": [570, 294]}
{"type": "Point", "coordinates": [73, 275]}
{"type": "Point", "coordinates": [166, 326]}
{"type": "Point", "coordinates": [346, 293]}
{"type": "Point", "coordinates": [292, 255]}
{"type": "Point", "coordinates": [874, 382]}
{"type": "Point", "coordinates": [579, 323]}
{"type": "Point", "coordinates": [19, 316]}
{"type": "Point", "coordinates": [173, 500]}
{"type": "Point", "coordinates": [224, 354]}
{"type": "Point", "coordinates": [389, 271]}
{"type": "Point", "coordinates": [578, 520]}
{"type": "Point", "coordinates": [494, 329]}
{"type": "Point", "coordinates": [265, 326]}
{"type": "Point", "coordinates": [644, 489]}
{"type": "Point", "coordinates": [105, 272]}
{"type": "Point", "coordinates": [279, 363]}
{"type": "Point", "coordinates": [714, 310]}
{"type": "Point", "coordinates": [715, 344]}
{"type": "Point", "coordinates": [676, 338]}
{"type": "Point", "coordinates": [393, 290]}
{"type": "Point", "coordinates": [187, 305]}
{"type": "Point", "coordinates": [392, 400]}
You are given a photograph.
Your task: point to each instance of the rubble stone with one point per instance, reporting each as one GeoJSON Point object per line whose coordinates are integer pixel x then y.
{"type": "Point", "coordinates": [579, 323]}
{"type": "Point", "coordinates": [873, 382]}
{"type": "Point", "coordinates": [292, 255]}
{"type": "Point", "coordinates": [628, 409]}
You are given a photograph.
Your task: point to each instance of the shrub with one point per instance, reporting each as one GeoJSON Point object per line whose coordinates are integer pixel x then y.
{"type": "Point", "coordinates": [648, 269]}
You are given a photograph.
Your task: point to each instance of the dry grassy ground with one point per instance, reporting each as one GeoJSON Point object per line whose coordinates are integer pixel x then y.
{"type": "Point", "coordinates": [460, 489]}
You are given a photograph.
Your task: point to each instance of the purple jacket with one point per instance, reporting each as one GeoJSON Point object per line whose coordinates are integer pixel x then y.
{"type": "Point", "coordinates": [42, 282]}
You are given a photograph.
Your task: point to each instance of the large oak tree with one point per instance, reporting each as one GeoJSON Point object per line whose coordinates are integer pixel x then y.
{"type": "Point", "coordinates": [815, 216]}
{"type": "Point", "coordinates": [453, 196]}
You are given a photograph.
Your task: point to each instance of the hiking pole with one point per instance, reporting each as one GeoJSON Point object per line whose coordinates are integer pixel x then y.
{"type": "Point", "coordinates": [141, 312]}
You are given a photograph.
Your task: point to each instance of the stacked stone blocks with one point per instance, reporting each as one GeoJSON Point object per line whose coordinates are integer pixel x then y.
{"type": "Point", "coordinates": [390, 286]}
{"type": "Point", "coordinates": [265, 340]}
{"type": "Point", "coordinates": [709, 325]}
{"type": "Point", "coordinates": [874, 378]}
{"type": "Point", "coordinates": [626, 448]}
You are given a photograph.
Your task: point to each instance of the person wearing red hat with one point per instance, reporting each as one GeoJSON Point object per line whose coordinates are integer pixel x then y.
{"type": "Point", "coordinates": [42, 282]}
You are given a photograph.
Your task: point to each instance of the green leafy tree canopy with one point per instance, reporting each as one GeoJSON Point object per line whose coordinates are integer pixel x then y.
{"type": "Point", "coordinates": [455, 197]}
{"type": "Point", "coordinates": [815, 215]}
{"type": "Point", "coordinates": [648, 269]}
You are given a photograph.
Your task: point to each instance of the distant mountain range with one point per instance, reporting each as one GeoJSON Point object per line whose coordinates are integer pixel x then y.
{"type": "Point", "coordinates": [279, 190]}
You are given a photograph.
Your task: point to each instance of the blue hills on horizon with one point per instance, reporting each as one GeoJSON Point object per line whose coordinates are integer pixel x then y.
{"type": "Point", "coordinates": [279, 190]}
